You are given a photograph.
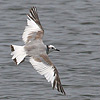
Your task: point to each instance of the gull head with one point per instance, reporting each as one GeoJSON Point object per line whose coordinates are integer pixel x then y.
{"type": "Point", "coordinates": [51, 48]}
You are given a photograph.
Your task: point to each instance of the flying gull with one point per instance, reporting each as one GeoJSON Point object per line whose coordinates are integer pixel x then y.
{"type": "Point", "coordinates": [37, 51]}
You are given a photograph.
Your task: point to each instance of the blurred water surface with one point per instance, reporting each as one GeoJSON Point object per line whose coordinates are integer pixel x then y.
{"type": "Point", "coordinates": [73, 26]}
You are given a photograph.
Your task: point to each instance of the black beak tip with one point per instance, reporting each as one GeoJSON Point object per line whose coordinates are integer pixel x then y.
{"type": "Point", "coordinates": [57, 50]}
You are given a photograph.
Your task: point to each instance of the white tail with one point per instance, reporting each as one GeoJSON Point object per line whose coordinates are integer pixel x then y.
{"type": "Point", "coordinates": [18, 53]}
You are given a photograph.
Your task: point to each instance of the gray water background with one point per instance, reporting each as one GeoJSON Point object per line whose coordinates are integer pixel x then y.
{"type": "Point", "coordinates": [73, 26]}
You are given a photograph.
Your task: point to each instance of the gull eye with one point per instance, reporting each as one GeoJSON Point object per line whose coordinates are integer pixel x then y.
{"type": "Point", "coordinates": [52, 48]}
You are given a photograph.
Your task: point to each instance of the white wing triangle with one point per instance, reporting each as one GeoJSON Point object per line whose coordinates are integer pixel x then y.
{"type": "Point", "coordinates": [33, 26]}
{"type": "Point", "coordinates": [49, 73]}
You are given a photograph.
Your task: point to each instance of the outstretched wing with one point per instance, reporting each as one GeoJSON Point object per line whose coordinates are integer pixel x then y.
{"type": "Point", "coordinates": [33, 30]}
{"type": "Point", "coordinates": [45, 67]}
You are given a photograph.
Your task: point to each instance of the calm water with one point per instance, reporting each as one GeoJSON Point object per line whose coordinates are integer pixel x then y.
{"type": "Point", "coordinates": [73, 26]}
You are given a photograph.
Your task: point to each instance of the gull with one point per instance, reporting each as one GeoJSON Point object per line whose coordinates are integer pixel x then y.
{"type": "Point", "coordinates": [37, 51]}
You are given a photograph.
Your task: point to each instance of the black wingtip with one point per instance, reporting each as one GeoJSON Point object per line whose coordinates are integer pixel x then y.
{"type": "Point", "coordinates": [59, 87]}
{"type": "Point", "coordinates": [34, 8]}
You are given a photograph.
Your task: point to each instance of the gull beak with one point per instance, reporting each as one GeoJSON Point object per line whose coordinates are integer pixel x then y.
{"type": "Point", "coordinates": [57, 50]}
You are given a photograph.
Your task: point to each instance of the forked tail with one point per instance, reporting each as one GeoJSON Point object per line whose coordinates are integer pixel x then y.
{"type": "Point", "coordinates": [18, 53]}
